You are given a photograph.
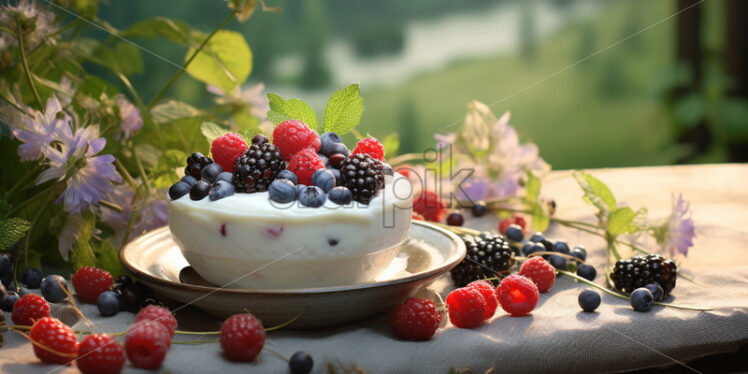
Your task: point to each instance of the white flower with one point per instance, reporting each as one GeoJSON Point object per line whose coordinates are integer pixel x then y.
{"type": "Point", "coordinates": [130, 116]}
{"type": "Point", "coordinates": [35, 23]}
{"type": "Point", "coordinates": [69, 234]}
{"type": "Point", "coordinates": [37, 130]}
{"type": "Point", "coordinates": [251, 96]}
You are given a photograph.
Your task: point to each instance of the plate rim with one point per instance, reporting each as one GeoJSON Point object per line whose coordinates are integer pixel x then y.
{"type": "Point", "coordinates": [447, 265]}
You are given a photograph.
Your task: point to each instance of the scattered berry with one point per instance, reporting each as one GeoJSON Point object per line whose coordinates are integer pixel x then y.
{"type": "Point", "coordinates": [304, 164]}
{"type": "Point", "coordinates": [455, 219]}
{"type": "Point", "coordinates": [517, 295]}
{"type": "Point", "coordinates": [328, 141]}
{"type": "Point", "coordinates": [515, 220]}
{"type": "Point", "coordinates": [189, 180]}
{"type": "Point", "coordinates": [301, 363]}
{"type": "Point", "coordinates": [10, 300]}
{"type": "Point", "coordinates": [579, 252]}
{"type": "Point", "coordinates": [532, 247]}
{"type": "Point", "coordinates": [6, 265]}
{"type": "Point", "coordinates": [23, 291]}
{"type": "Point", "coordinates": [467, 307]}
{"type": "Point", "coordinates": [220, 190]}
{"type": "Point", "coordinates": [587, 272]}
{"type": "Point", "coordinates": [90, 282]}
{"type": "Point", "coordinates": [639, 271]}
{"type": "Point", "coordinates": [292, 136]}
{"type": "Point", "coordinates": [589, 300]}
{"type": "Point", "coordinates": [210, 172]}
{"type": "Point", "coordinates": [363, 175]}
{"type": "Point", "coordinates": [227, 148]}
{"type": "Point", "coordinates": [324, 179]}
{"type": "Point", "coordinates": [146, 344]}
{"type": "Point", "coordinates": [100, 354]}
{"type": "Point", "coordinates": [559, 262]}
{"type": "Point", "coordinates": [195, 164]}
{"type": "Point", "coordinates": [336, 160]}
{"type": "Point", "coordinates": [226, 177]}
{"type": "Point", "coordinates": [312, 196]}
{"type": "Point", "coordinates": [6, 279]}
{"type": "Point", "coordinates": [561, 247]}
{"type": "Point", "coordinates": [57, 337]}
{"type": "Point", "coordinates": [282, 190]}
{"type": "Point", "coordinates": [199, 190]}
{"type": "Point", "coordinates": [124, 280]}
{"type": "Point", "coordinates": [514, 233]}
{"type": "Point", "coordinates": [257, 167]}
{"type": "Point", "coordinates": [489, 294]}
{"type": "Point", "coordinates": [641, 299]}
{"type": "Point", "coordinates": [287, 174]}
{"type": "Point", "coordinates": [242, 337]}
{"type": "Point", "coordinates": [108, 303]}
{"type": "Point", "coordinates": [32, 277]}
{"type": "Point", "coordinates": [158, 314]}
{"type": "Point", "coordinates": [430, 206]}
{"type": "Point", "coordinates": [540, 272]}
{"type": "Point", "coordinates": [28, 309]}
{"type": "Point", "coordinates": [416, 319]}
{"type": "Point", "coordinates": [179, 189]}
{"type": "Point", "coordinates": [657, 292]}
{"type": "Point", "coordinates": [478, 210]}
{"type": "Point", "coordinates": [536, 237]}
{"type": "Point", "coordinates": [486, 256]}
{"type": "Point", "coordinates": [340, 196]}
{"type": "Point", "coordinates": [371, 147]}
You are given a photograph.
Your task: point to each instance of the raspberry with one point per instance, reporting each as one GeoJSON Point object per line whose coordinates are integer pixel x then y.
{"type": "Point", "coordinates": [100, 354]}
{"type": "Point", "coordinates": [90, 282]}
{"type": "Point", "coordinates": [506, 222]}
{"type": "Point", "coordinates": [417, 217]}
{"type": "Point", "coordinates": [415, 320]}
{"type": "Point", "coordinates": [58, 338]}
{"type": "Point", "coordinates": [146, 344]}
{"type": "Point", "coordinates": [30, 308]}
{"type": "Point", "coordinates": [292, 136]}
{"type": "Point", "coordinates": [430, 206]}
{"type": "Point", "coordinates": [304, 164]}
{"type": "Point", "coordinates": [371, 147]}
{"type": "Point", "coordinates": [242, 337]}
{"type": "Point", "coordinates": [517, 295]}
{"type": "Point", "coordinates": [489, 294]}
{"type": "Point", "coordinates": [158, 314]}
{"type": "Point", "coordinates": [540, 272]}
{"type": "Point", "coordinates": [467, 307]}
{"type": "Point", "coordinates": [227, 148]}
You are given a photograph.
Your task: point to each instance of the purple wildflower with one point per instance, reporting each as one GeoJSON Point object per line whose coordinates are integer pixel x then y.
{"type": "Point", "coordinates": [677, 233]}
{"type": "Point", "coordinates": [130, 116]}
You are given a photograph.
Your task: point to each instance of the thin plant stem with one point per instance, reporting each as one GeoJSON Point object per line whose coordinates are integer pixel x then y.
{"type": "Point", "coordinates": [128, 178]}
{"type": "Point", "coordinates": [131, 89]}
{"type": "Point", "coordinates": [187, 63]}
{"type": "Point", "coordinates": [130, 225]}
{"type": "Point", "coordinates": [196, 341]}
{"type": "Point", "coordinates": [28, 235]}
{"type": "Point", "coordinates": [22, 182]}
{"type": "Point", "coordinates": [19, 207]}
{"type": "Point", "coordinates": [27, 71]}
{"type": "Point", "coordinates": [141, 171]}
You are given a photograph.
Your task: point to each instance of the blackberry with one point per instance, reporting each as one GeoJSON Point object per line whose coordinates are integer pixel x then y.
{"type": "Point", "coordinates": [363, 175]}
{"type": "Point", "coordinates": [257, 168]}
{"type": "Point", "coordinates": [639, 271]}
{"type": "Point", "coordinates": [486, 256]}
{"type": "Point", "coordinates": [195, 164]}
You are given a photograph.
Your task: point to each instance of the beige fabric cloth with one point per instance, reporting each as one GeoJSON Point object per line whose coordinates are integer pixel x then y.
{"type": "Point", "coordinates": [557, 337]}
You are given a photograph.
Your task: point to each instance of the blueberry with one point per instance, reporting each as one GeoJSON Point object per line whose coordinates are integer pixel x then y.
{"type": "Point", "coordinates": [478, 210]}
{"type": "Point", "coordinates": [339, 148]}
{"type": "Point", "coordinates": [537, 237]}
{"type": "Point", "coordinates": [225, 176]}
{"type": "Point", "coordinates": [336, 161]}
{"type": "Point", "coordinates": [51, 288]}
{"type": "Point", "coordinates": [124, 280]}
{"type": "Point", "coordinates": [108, 303]}
{"type": "Point", "coordinates": [23, 291]}
{"type": "Point", "coordinates": [328, 140]}
{"type": "Point", "coordinates": [514, 233]}
{"type": "Point", "coordinates": [580, 249]}
{"type": "Point", "coordinates": [547, 244]}
{"type": "Point", "coordinates": [558, 262]}
{"type": "Point", "coordinates": [589, 300]}
{"type": "Point", "coordinates": [5, 264]}
{"type": "Point", "coordinates": [562, 247]}
{"type": "Point", "coordinates": [179, 189]}
{"type": "Point", "coordinates": [312, 196]}
{"type": "Point", "coordinates": [587, 272]}
{"type": "Point", "coordinates": [641, 299]}
{"type": "Point", "coordinates": [199, 190]}
{"type": "Point", "coordinates": [220, 190]}
{"type": "Point", "coordinates": [336, 173]}
{"type": "Point", "coordinates": [287, 174]}
{"type": "Point", "coordinates": [259, 139]}
{"type": "Point", "coordinates": [387, 170]}
{"type": "Point", "coordinates": [323, 158]}
{"type": "Point", "coordinates": [189, 180]}
{"type": "Point", "coordinates": [324, 179]}
{"type": "Point", "coordinates": [527, 248]}
{"type": "Point", "coordinates": [10, 300]}
{"type": "Point", "coordinates": [301, 363]}
{"type": "Point", "coordinates": [340, 195]}
{"type": "Point", "coordinates": [455, 219]}
{"type": "Point", "coordinates": [299, 188]}
{"type": "Point", "coordinates": [282, 190]}
{"type": "Point", "coordinates": [657, 292]}
{"type": "Point", "coordinates": [6, 279]}
{"type": "Point", "coordinates": [210, 172]}
{"type": "Point", "coordinates": [580, 254]}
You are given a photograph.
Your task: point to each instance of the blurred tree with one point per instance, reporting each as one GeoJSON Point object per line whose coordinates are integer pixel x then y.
{"type": "Point", "coordinates": [587, 42]}
{"type": "Point", "coordinates": [736, 65]}
{"type": "Point", "coordinates": [527, 32]}
{"type": "Point", "coordinates": [407, 127]}
{"type": "Point", "coordinates": [316, 73]}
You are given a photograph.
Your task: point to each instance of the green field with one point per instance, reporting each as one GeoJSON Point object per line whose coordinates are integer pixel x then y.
{"type": "Point", "coordinates": [599, 113]}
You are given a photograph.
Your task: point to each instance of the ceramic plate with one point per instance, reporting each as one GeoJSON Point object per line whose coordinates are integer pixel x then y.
{"type": "Point", "coordinates": [431, 251]}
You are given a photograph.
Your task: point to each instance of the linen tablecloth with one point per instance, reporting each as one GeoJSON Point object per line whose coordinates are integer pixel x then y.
{"type": "Point", "coordinates": [557, 337]}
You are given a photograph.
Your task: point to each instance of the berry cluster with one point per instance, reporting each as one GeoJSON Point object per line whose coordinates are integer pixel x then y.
{"type": "Point", "coordinates": [211, 180]}
{"type": "Point", "coordinates": [539, 243]}
{"type": "Point", "coordinates": [487, 255]}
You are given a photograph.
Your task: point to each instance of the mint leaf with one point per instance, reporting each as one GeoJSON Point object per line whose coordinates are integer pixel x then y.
{"type": "Point", "coordinates": [391, 143]}
{"type": "Point", "coordinates": [212, 131]}
{"type": "Point", "coordinates": [172, 110]}
{"type": "Point", "coordinates": [596, 192]}
{"type": "Point", "coordinates": [108, 258]}
{"type": "Point", "coordinates": [344, 110]}
{"type": "Point", "coordinates": [225, 61]}
{"type": "Point", "coordinates": [283, 110]}
{"type": "Point", "coordinates": [82, 253]}
{"type": "Point", "coordinates": [532, 188]}
{"type": "Point", "coordinates": [172, 29]}
{"type": "Point", "coordinates": [11, 231]}
{"type": "Point", "coordinates": [164, 173]}
{"type": "Point", "coordinates": [621, 221]}
{"type": "Point", "coordinates": [540, 218]}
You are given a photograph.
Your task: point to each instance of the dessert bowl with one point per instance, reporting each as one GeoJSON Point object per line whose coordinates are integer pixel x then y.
{"type": "Point", "coordinates": [249, 241]}
{"type": "Point", "coordinates": [430, 252]}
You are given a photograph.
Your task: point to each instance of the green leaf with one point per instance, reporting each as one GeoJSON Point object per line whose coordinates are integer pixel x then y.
{"type": "Point", "coordinates": [108, 258]}
{"type": "Point", "coordinates": [621, 221]}
{"type": "Point", "coordinates": [391, 143]}
{"type": "Point", "coordinates": [246, 124]}
{"type": "Point", "coordinates": [11, 231]}
{"type": "Point", "coordinates": [532, 188]}
{"type": "Point", "coordinates": [225, 61]}
{"type": "Point", "coordinates": [148, 154]}
{"type": "Point", "coordinates": [690, 110]}
{"type": "Point", "coordinates": [172, 110]}
{"type": "Point", "coordinates": [540, 217]}
{"type": "Point", "coordinates": [172, 29]}
{"type": "Point", "coordinates": [82, 253]}
{"type": "Point", "coordinates": [122, 58]}
{"type": "Point", "coordinates": [164, 173]}
{"type": "Point", "coordinates": [212, 131]}
{"type": "Point", "coordinates": [596, 192]}
{"type": "Point", "coordinates": [344, 110]}
{"type": "Point", "coordinates": [283, 110]}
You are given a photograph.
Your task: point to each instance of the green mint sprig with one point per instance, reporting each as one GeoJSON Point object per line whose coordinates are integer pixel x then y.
{"type": "Point", "coordinates": [342, 113]}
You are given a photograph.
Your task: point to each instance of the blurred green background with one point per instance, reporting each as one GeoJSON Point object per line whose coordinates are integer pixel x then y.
{"type": "Point", "coordinates": [595, 83]}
